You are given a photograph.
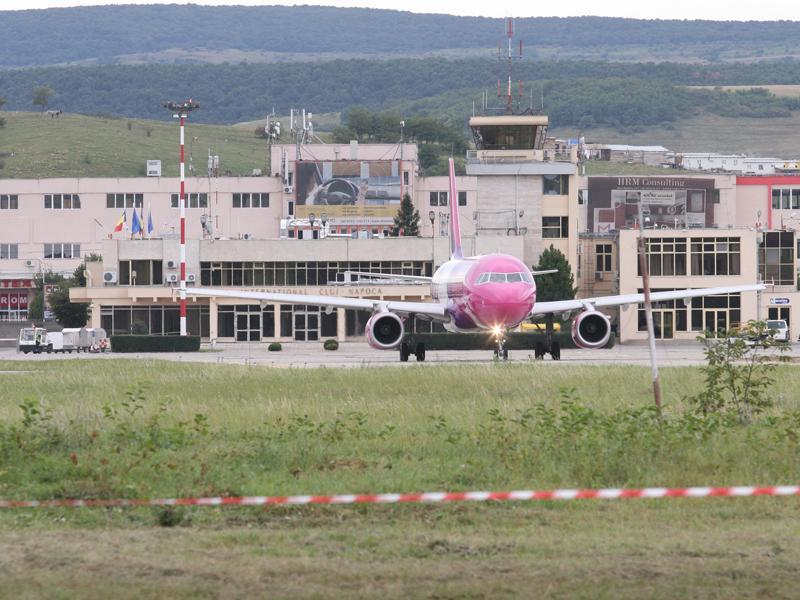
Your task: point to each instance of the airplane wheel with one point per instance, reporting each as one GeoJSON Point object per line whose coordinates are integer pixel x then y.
{"type": "Point", "coordinates": [404, 353]}
{"type": "Point", "coordinates": [420, 353]}
{"type": "Point", "coordinates": [538, 351]}
{"type": "Point", "coordinates": [50, 349]}
{"type": "Point", "coordinates": [505, 354]}
{"type": "Point", "coordinates": [555, 351]}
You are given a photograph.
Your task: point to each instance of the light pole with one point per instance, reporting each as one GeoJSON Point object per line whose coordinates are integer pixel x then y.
{"type": "Point", "coordinates": [648, 309]}
{"type": "Point", "coordinates": [181, 112]}
{"type": "Point", "coordinates": [432, 217]}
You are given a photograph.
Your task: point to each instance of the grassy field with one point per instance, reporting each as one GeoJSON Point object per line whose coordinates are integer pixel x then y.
{"type": "Point", "coordinates": [98, 429]}
{"type": "Point", "coordinates": [709, 133]}
{"type": "Point", "coordinates": [33, 145]}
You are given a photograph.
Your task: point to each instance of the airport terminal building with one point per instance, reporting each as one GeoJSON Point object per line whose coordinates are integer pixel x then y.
{"type": "Point", "coordinates": [324, 210]}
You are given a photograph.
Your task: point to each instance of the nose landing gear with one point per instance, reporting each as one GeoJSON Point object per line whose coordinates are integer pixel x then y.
{"type": "Point", "coordinates": [500, 350]}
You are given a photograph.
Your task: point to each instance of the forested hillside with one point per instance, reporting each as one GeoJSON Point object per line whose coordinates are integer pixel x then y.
{"type": "Point", "coordinates": [578, 93]}
{"type": "Point", "coordinates": [109, 34]}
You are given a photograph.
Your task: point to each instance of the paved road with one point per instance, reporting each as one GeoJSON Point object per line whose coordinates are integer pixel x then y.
{"type": "Point", "coordinates": [359, 354]}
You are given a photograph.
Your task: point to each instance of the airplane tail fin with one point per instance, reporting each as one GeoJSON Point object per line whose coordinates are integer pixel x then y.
{"type": "Point", "coordinates": [455, 224]}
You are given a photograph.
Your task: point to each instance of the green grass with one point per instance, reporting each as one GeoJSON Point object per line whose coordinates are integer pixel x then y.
{"type": "Point", "coordinates": [149, 428]}
{"type": "Point", "coordinates": [37, 146]}
{"type": "Point", "coordinates": [708, 133]}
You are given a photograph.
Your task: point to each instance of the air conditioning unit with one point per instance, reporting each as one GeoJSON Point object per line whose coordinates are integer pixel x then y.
{"type": "Point", "coordinates": [247, 236]}
{"type": "Point", "coordinates": [109, 277]}
{"type": "Point", "coordinates": [191, 277]}
{"type": "Point", "coordinates": [171, 264]}
{"type": "Point", "coordinates": [288, 189]}
{"type": "Point", "coordinates": [171, 278]}
{"type": "Point", "coordinates": [29, 263]}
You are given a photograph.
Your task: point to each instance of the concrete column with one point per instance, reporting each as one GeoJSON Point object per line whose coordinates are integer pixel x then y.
{"type": "Point", "coordinates": [95, 316]}
{"type": "Point", "coordinates": [278, 332]}
{"type": "Point", "coordinates": [341, 324]}
{"type": "Point", "coordinates": [212, 319]}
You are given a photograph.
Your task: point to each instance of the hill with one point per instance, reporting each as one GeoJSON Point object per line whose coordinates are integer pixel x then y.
{"type": "Point", "coordinates": [234, 93]}
{"type": "Point", "coordinates": [191, 33]}
{"type": "Point", "coordinates": [34, 145]}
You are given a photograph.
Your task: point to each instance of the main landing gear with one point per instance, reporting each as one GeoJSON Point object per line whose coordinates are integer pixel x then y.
{"type": "Point", "coordinates": [549, 345]}
{"type": "Point", "coordinates": [405, 352]}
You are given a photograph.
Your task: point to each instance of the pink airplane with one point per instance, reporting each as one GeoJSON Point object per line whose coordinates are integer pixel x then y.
{"type": "Point", "coordinates": [492, 293]}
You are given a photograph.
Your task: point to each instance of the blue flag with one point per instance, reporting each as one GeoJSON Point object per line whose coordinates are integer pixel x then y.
{"type": "Point", "coordinates": [149, 222]}
{"type": "Point", "coordinates": [136, 224]}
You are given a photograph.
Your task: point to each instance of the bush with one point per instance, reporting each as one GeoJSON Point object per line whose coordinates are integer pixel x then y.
{"type": "Point", "coordinates": [331, 344]}
{"type": "Point", "coordinates": [516, 340]}
{"type": "Point", "coordinates": [155, 343]}
{"type": "Point", "coordinates": [275, 347]}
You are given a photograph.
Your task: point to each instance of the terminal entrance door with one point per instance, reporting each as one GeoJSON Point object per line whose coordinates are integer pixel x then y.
{"type": "Point", "coordinates": [664, 324]}
{"type": "Point", "coordinates": [306, 323]}
{"type": "Point", "coordinates": [715, 321]}
{"type": "Point", "coordinates": [247, 322]}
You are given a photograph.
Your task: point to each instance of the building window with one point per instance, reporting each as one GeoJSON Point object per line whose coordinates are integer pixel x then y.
{"type": "Point", "coordinates": [438, 198]}
{"type": "Point", "coordinates": [405, 177]}
{"type": "Point", "coordinates": [555, 185]}
{"type": "Point", "coordinates": [716, 256]}
{"type": "Point", "coordinates": [776, 263]}
{"type": "Point", "coordinates": [786, 199]}
{"type": "Point", "coordinates": [555, 227]}
{"type": "Point", "coordinates": [9, 251]}
{"type": "Point", "coordinates": [192, 200]}
{"type": "Point", "coordinates": [124, 200]}
{"type": "Point", "coordinates": [462, 198]}
{"type": "Point", "coordinates": [9, 202]}
{"type": "Point", "coordinates": [666, 257]}
{"type": "Point", "coordinates": [141, 272]}
{"type": "Point", "coordinates": [249, 274]}
{"type": "Point", "coordinates": [583, 196]}
{"type": "Point", "coordinates": [62, 250]}
{"type": "Point", "coordinates": [61, 201]}
{"type": "Point", "coordinates": [255, 200]}
{"type": "Point", "coordinates": [679, 314]}
{"type": "Point", "coordinates": [602, 258]}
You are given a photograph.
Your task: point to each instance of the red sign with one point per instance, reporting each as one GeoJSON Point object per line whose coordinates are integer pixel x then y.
{"type": "Point", "coordinates": [16, 283]}
{"type": "Point", "coordinates": [13, 300]}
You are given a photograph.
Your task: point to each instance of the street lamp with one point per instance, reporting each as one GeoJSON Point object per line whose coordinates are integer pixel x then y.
{"type": "Point", "coordinates": [432, 218]}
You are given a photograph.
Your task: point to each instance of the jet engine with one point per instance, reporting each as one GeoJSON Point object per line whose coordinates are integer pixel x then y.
{"type": "Point", "coordinates": [384, 330]}
{"type": "Point", "coordinates": [591, 329]}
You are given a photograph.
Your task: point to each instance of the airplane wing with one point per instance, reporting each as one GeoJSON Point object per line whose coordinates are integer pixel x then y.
{"type": "Point", "coordinates": [430, 309]}
{"type": "Point", "coordinates": [561, 306]}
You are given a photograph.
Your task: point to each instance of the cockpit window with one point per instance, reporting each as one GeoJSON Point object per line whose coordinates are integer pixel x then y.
{"type": "Point", "coordinates": [505, 277]}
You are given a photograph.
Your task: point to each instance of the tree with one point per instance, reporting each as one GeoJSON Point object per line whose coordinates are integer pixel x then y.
{"type": "Point", "coordinates": [2, 102]}
{"type": "Point", "coordinates": [407, 218]}
{"type": "Point", "coordinates": [555, 286]}
{"type": "Point", "coordinates": [68, 314]}
{"type": "Point", "coordinates": [42, 95]}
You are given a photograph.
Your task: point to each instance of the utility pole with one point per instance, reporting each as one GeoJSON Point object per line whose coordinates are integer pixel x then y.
{"type": "Point", "coordinates": [181, 112]}
{"type": "Point", "coordinates": [648, 310]}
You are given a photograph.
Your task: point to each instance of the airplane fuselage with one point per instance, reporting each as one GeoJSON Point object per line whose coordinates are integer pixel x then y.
{"type": "Point", "coordinates": [484, 292]}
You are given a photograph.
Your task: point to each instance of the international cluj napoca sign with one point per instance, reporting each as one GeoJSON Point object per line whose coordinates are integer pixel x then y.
{"type": "Point", "coordinates": [666, 202]}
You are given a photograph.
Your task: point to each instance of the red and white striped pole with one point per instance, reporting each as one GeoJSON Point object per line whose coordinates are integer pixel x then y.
{"type": "Point", "coordinates": [181, 112]}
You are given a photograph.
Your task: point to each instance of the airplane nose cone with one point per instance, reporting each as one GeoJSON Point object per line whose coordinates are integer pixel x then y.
{"type": "Point", "coordinates": [502, 304]}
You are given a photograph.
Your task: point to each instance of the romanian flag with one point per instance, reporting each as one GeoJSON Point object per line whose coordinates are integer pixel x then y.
{"type": "Point", "coordinates": [121, 223]}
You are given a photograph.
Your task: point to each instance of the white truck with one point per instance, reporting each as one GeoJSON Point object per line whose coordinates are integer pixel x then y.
{"type": "Point", "coordinates": [32, 339]}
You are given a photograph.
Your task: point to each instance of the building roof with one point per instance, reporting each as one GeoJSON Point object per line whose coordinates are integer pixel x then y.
{"type": "Point", "coordinates": [508, 120]}
{"type": "Point", "coordinates": [626, 148]}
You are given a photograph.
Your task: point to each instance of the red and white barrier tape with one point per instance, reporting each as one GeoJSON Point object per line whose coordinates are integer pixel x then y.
{"type": "Point", "coordinates": [601, 494]}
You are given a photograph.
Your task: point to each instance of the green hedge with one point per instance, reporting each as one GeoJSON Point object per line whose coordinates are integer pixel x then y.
{"type": "Point", "coordinates": [155, 343]}
{"type": "Point", "coordinates": [515, 340]}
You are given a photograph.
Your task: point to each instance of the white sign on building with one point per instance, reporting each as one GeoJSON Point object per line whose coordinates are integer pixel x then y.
{"type": "Point", "coordinates": [154, 168]}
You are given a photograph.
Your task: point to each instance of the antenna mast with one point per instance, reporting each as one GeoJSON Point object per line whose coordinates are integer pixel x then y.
{"type": "Point", "coordinates": [509, 58]}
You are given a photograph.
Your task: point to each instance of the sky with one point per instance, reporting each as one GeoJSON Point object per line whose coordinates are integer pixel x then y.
{"type": "Point", "coordinates": [766, 10]}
